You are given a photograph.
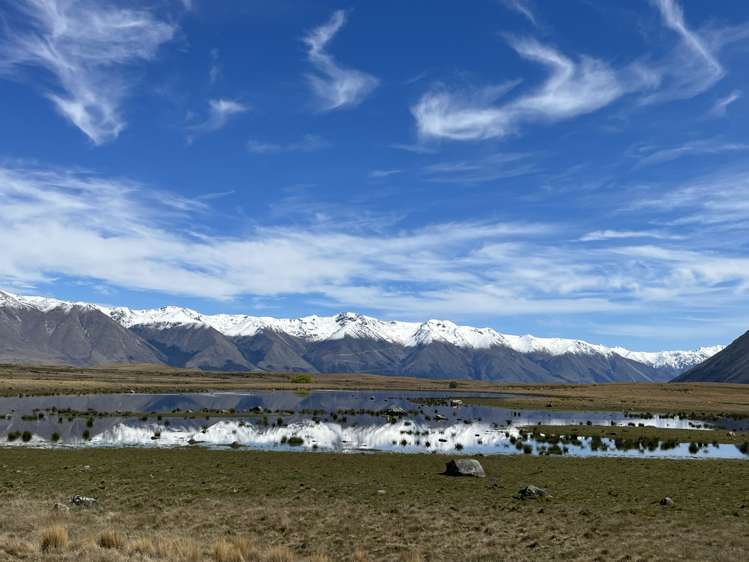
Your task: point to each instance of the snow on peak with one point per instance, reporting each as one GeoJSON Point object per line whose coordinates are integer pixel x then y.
{"type": "Point", "coordinates": [353, 325]}
{"type": "Point", "coordinates": [163, 317]}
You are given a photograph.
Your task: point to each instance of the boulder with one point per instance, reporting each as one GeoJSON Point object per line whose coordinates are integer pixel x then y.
{"type": "Point", "coordinates": [531, 491]}
{"type": "Point", "coordinates": [465, 467]}
{"type": "Point", "coordinates": [666, 502]}
{"type": "Point", "coordinates": [84, 501]}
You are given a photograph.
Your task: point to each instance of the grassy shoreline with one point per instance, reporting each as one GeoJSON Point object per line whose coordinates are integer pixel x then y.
{"type": "Point", "coordinates": [371, 507]}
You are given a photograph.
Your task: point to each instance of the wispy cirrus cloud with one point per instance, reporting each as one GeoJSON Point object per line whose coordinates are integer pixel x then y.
{"type": "Point", "coordinates": [336, 86]}
{"type": "Point", "coordinates": [720, 107]}
{"type": "Point", "coordinates": [220, 112]}
{"type": "Point", "coordinates": [84, 227]}
{"type": "Point", "coordinates": [572, 88]}
{"type": "Point", "coordinates": [308, 143]}
{"type": "Point", "coordinates": [87, 48]}
{"type": "Point", "coordinates": [522, 7]}
{"type": "Point", "coordinates": [650, 156]}
{"type": "Point", "coordinates": [693, 67]}
{"type": "Point", "coordinates": [479, 170]}
{"type": "Point", "coordinates": [578, 85]}
{"type": "Point", "coordinates": [609, 234]}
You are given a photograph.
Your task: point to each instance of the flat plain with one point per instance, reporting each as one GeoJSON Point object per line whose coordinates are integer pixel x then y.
{"type": "Point", "coordinates": [194, 504]}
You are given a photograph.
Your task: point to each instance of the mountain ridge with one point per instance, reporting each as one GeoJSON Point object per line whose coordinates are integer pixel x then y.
{"type": "Point", "coordinates": [354, 342]}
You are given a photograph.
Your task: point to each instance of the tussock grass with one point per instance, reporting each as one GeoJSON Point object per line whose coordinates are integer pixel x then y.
{"type": "Point", "coordinates": [143, 546]}
{"type": "Point", "coordinates": [54, 538]}
{"type": "Point", "coordinates": [226, 551]}
{"type": "Point", "coordinates": [111, 538]}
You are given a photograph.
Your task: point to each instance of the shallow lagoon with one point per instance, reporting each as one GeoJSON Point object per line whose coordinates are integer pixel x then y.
{"type": "Point", "coordinates": [338, 421]}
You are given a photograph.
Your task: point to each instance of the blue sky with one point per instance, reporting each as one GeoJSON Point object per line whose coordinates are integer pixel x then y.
{"type": "Point", "coordinates": [575, 169]}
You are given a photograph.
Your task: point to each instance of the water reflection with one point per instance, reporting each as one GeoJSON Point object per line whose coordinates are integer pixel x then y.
{"type": "Point", "coordinates": [325, 421]}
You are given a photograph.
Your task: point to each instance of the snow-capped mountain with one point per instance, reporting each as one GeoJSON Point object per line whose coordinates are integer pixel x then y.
{"type": "Point", "coordinates": [407, 334]}
{"type": "Point", "coordinates": [349, 341]}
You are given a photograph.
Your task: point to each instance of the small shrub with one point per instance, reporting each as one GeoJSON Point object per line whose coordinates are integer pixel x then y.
{"type": "Point", "coordinates": [302, 379]}
{"type": "Point", "coordinates": [55, 437]}
{"type": "Point", "coordinates": [452, 384]}
{"type": "Point", "coordinates": [111, 539]}
{"type": "Point", "coordinates": [458, 447]}
{"type": "Point", "coordinates": [26, 436]}
{"type": "Point", "coordinates": [86, 434]}
{"type": "Point", "coordinates": [295, 441]}
{"type": "Point", "coordinates": [54, 538]}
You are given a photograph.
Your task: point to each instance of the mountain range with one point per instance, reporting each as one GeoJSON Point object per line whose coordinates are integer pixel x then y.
{"type": "Point", "coordinates": [44, 330]}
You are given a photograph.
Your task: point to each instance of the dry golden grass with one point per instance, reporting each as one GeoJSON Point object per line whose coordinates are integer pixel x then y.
{"type": "Point", "coordinates": [54, 538]}
{"type": "Point", "coordinates": [111, 538]}
{"type": "Point", "coordinates": [143, 546]}
{"type": "Point", "coordinates": [225, 551]}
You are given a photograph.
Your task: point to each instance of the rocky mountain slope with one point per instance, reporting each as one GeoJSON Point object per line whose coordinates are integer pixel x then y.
{"type": "Point", "coordinates": [730, 365]}
{"type": "Point", "coordinates": [344, 343]}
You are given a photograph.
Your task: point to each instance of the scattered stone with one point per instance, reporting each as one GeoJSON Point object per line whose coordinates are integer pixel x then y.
{"type": "Point", "coordinates": [531, 491]}
{"type": "Point", "coordinates": [731, 435]}
{"type": "Point", "coordinates": [258, 410]}
{"type": "Point", "coordinates": [455, 402]}
{"type": "Point", "coordinates": [61, 508]}
{"type": "Point", "coordinates": [235, 445]}
{"type": "Point", "coordinates": [381, 492]}
{"type": "Point", "coordinates": [667, 502]}
{"type": "Point", "coordinates": [84, 501]}
{"type": "Point", "coordinates": [439, 417]}
{"type": "Point", "coordinates": [465, 467]}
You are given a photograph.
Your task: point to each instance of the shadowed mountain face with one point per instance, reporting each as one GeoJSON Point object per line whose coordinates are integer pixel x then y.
{"type": "Point", "coordinates": [38, 330]}
{"type": "Point", "coordinates": [729, 365]}
{"type": "Point", "coordinates": [195, 347]}
{"type": "Point", "coordinates": [76, 335]}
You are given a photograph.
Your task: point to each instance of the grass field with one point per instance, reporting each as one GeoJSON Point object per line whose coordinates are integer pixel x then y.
{"type": "Point", "coordinates": [199, 504]}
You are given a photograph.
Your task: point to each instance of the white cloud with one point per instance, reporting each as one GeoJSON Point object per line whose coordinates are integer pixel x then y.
{"type": "Point", "coordinates": [336, 86]}
{"type": "Point", "coordinates": [220, 112]}
{"type": "Point", "coordinates": [375, 174]}
{"type": "Point", "coordinates": [522, 7]}
{"type": "Point", "coordinates": [308, 143]}
{"type": "Point", "coordinates": [572, 88]}
{"type": "Point", "coordinates": [116, 232]}
{"type": "Point", "coordinates": [479, 170]}
{"type": "Point", "coordinates": [693, 67]}
{"type": "Point", "coordinates": [720, 107]}
{"type": "Point", "coordinates": [605, 235]}
{"type": "Point", "coordinates": [86, 47]}
{"type": "Point", "coordinates": [649, 156]}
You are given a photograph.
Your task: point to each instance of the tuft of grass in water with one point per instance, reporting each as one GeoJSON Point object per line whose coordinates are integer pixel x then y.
{"type": "Point", "coordinates": [302, 379]}
{"type": "Point", "coordinates": [111, 539]}
{"type": "Point", "coordinates": [54, 538]}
